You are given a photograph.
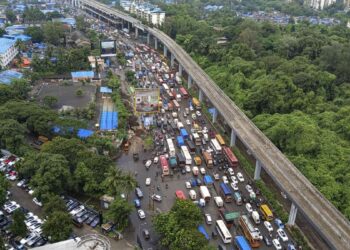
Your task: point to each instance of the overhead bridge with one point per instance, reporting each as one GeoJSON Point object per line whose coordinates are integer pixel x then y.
{"type": "Point", "coordinates": [321, 214]}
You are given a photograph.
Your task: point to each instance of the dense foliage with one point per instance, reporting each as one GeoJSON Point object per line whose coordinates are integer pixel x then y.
{"type": "Point", "coordinates": [293, 81]}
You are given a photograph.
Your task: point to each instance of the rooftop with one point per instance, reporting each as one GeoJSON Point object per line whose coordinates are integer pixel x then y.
{"type": "Point", "coordinates": [5, 44]}
{"type": "Point", "coordinates": [7, 76]}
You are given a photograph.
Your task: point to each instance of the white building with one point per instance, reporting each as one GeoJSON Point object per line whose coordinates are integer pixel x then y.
{"type": "Point", "coordinates": [8, 51]}
{"type": "Point", "coordinates": [146, 11]}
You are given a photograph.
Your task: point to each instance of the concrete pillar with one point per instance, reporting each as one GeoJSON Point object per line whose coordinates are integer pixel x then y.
{"type": "Point", "coordinates": [148, 38]}
{"type": "Point", "coordinates": [215, 116]}
{"type": "Point", "coordinates": [200, 95]}
{"type": "Point", "coordinates": [189, 82]}
{"type": "Point", "coordinates": [172, 58]}
{"type": "Point", "coordinates": [180, 70]}
{"type": "Point", "coordinates": [233, 138]}
{"type": "Point", "coordinates": [136, 33]}
{"type": "Point", "coordinates": [257, 170]}
{"type": "Point", "coordinates": [129, 26]}
{"type": "Point", "coordinates": [155, 43]}
{"type": "Point", "coordinates": [165, 52]}
{"type": "Point", "coordinates": [292, 215]}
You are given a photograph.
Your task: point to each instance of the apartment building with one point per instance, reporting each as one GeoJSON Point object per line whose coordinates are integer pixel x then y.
{"type": "Point", "coordinates": [8, 51]}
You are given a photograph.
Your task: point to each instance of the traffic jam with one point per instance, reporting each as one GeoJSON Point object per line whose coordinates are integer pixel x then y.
{"type": "Point", "coordinates": [189, 152]}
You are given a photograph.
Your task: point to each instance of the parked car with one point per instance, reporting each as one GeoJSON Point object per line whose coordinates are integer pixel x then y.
{"type": "Point", "coordinates": [36, 201]}
{"type": "Point", "coordinates": [141, 214]}
{"type": "Point", "coordinates": [156, 197]}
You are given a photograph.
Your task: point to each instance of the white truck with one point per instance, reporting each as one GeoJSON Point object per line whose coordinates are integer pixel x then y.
{"type": "Point", "coordinates": [205, 193]}
{"type": "Point", "coordinates": [219, 201]}
{"type": "Point", "coordinates": [192, 194]}
{"type": "Point", "coordinates": [256, 217]}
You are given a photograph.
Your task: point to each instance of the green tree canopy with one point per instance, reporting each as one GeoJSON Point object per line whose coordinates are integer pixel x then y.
{"type": "Point", "coordinates": [18, 226]}
{"type": "Point", "coordinates": [58, 226]}
{"type": "Point", "coordinates": [119, 212]}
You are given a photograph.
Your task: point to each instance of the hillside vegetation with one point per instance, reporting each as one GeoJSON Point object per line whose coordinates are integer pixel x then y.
{"type": "Point", "coordinates": [292, 81]}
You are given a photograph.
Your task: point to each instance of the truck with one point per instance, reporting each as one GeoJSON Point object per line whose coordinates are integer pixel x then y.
{"type": "Point", "coordinates": [208, 181]}
{"type": "Point", "coordinates": [208, 159]}
{"type": "Point", "coordinates": [197, 160]}
{"type": "Point", "coordinates": [256, 217]}
{"type": "Point", "coordinates": [196, 139]}
{"type": "Point", "coordinates": [171, 147]}
{"type": "Point", "coordinates": [181, 160]}
{"type": "Point", "coordinates": [196, 103]}
{"type": "Point", "coordinates": [184, 133]}
{"type": "Point", "coordinates": [180, 141]}
{"type": "Point", "coordinates": [218, 201]}
{"type": "Point", "coordinates": [241, 243]}
{"type": "Point", "coordinates": [204, 191]}
{"type": "Point", "coordinates": [180, 126]}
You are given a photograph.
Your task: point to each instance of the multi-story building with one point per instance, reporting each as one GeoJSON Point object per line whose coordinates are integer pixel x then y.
{"type": "Point", "coordinates": [146, 11]}
{"type": "Point", "coordinates": [8, 51]}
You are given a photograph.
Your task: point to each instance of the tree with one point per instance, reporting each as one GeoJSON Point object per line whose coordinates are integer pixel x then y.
{"type": "Point", "coordinates": [4, 185]}
{"type": "Point", "coordinates": [119, 212]}
{"type": "Point", "coordinates": [2, 32]}
{"type": "Point", "coordinates": [113, 83]}
{"type": "Point", "coordinates": [117, 182]}
{"type": "Point", "coordinates": [81, 24]}
{"type": "Point", "coordinates": [79, 92]}
{"type": "Point", "coordinates": [33, 15]}
{"type": "Point", "coordinates": [53, 32]}
{"type": "Point", "coordinates": [36, 33]}
{"type": "Point", "coordinates": [11, 135]}
{"type": "Point", "coordinates": [54, 204]}
{"type": "Point", "coordinates": [10, 15]}
{"type": "Point", "coordinates": [50, 101]}
{"type": "Point", "coordinates": [2, 243]}
{"type": "Point", "coordinates": [58, 226]}
{"type": "Point", "coordinates": [18, 227]}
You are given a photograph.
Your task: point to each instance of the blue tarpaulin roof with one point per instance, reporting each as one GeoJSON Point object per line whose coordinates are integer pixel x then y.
{"type": "Point", "coordinates": [208, 179]}
{"type": "Point", "coordinates": [109, 120]}
{"type": "Point", "coordinates": [16, 37]}
{"type": "Point", "coordinates": [7, 76]}
{"type": "Point", "coordinates": [84, 133]}
{"type": "Point", "coordinates": [105, 90]}
{"type": "Point", "coordinates": [82, 74]}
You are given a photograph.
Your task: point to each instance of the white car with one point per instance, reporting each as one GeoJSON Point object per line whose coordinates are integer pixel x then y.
{"type": "Point", "coordinates": [234, 186]}
{"type": "Point", "coordinates": [216, 176]}
{"type": "Point", "coordinates": [268, 226]}
{"type": "Point", "coordinates": [141, 214]}
{"type": "Point", "coordinates": [188, 122]}
{"type": "Point", "coordinates": [36, 201]}
{"type": "Point", "coordinates": [188, 168]}
{"type": "Point", "coordinates": [202, 170]}
{"type": "Point", "coordinates": [234, 179]}
{"type": "Point", "coordinates": [21, 183]}
{"type": "Point", "coordinates": [148, 181]}
{"type": "Point", "coordinates": [282, 234]}
{"type": "Point", "coordinates": [198, 113]}
{"type": "Point", "coordinates": [208, 219]}
{"type": "Point", "coordinates": [249, 207]}
{"type": "Point", "coordinates": [194, 116]}
{"type": "Point", "coordinates": [191, 108]}
{"type": "Point", "coordinates": [205, 130]}
{"type": "Point", "coordinates": [230, 171]}
{"type": "Point", "coordinates": [240, 177]}
{"type": "Point", "coordinates": [276, 243]}
{"type": "Point", "coordinates": [249, 188]}
{"type": "Point", "coordinates": [155, 160]}
{"type": "Point", "coordinates": [257, 234]}
{"type": "Point", "coordinates": [224, 179]}
{"type": "Point", "coordinates": [148, 163]}
{"type": "Point", "coordinates": [188, 185]}
{"type": "Point", "coordinates": [77, 210]}
{"type": "Point", "coordinates": [31, 191]}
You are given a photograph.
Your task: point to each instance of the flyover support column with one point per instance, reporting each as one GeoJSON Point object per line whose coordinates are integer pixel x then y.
{"type": "Point", "coordinates": [172, 58]}
{"type": "Point", "coordinates": [189, 82]}
{"type": "Point", "coordinates": [257, 170]}
{"type": "Point", "coordinates": [200, 95]}
{"type": "Point", "coordinates": [155, 43]}
{"type": "Point", "coordinates": [215, 115]}
{"type": "Point", "coordinates": [136, 33]}
{"type": "Point", "coordinates": [165, 52]}
{"type": "Point", "coordinates": [180, 70]}
{"type": "Point", "coordinates": [233, 138]}
{"type": "Point", "coordinates": [148, 38]}
{"type": "Point", "coordinates": [292, 215]}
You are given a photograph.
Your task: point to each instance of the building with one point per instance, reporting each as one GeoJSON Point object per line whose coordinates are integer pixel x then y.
{"type": "Point", "coordinates": [8, 51]}
{"type": "Point", "coordinates": [15, 29]}
{"type": "Point", "coordinates": [146, 11]}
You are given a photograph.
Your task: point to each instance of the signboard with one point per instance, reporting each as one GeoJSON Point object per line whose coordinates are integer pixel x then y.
{"type": "Point", "coordinates": [108, 48]}
{"type": "Point", "coordinates": [146, 101]}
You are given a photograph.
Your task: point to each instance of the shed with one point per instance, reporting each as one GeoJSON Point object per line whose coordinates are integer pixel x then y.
{"type": "Point", "coordinates": [82, 75]}
{"type": "Point", "coordinates": [105, 201]}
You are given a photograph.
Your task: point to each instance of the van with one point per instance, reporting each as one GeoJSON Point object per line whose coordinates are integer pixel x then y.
{"type": "Point", "coordinates": [195, 171]}
{"type": "Point", "coordinates": [218, 201]}
{"type": "Point", "coordinates": [256, 217]}
{"type": "Point", "coordinates": [192, 194]}
{"type": "Point", "coordinates": [138, 192]}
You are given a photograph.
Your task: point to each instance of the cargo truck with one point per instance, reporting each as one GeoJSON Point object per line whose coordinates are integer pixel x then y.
{"type": "Point", "coordinates": [197, 160]}
{"type": "Point", "coordinates": [204, 191]}
{"type": "Point", "coordinates": [208, 159]}
{"type": "Point", "coordinates": [180, 141]}
{"type": "Point", "coordinates": [184, 133]}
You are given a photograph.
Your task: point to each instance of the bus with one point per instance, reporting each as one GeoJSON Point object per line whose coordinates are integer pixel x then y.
{"type": "Point", "coordinates": [180, 195]}
{"type": "Point", "coordinates": [231, 158]}
{"type": "Point", "coordinates": [266, 212]}
{"type": "Point", "coordinates": [183, 92]}
{"type": "Point", "coordinates": [191, 146]}
{"type": "Point", "coordinates": [196, 103]}
{"type": "Point", "coordinates": [216, 146]}
{"type": "Point", "coordinates": [164, 164]}
{"type": "Point", "coordinates": [171, 147]}
{"type": "Point", "coordinates": [241, 243]}
{"type": "Point", "coordinates": [187, 155]}
{"type": "Point", "coordinates": [249, 231]}
{"type": "Point", "coordinates": [223, 231]}
{"type": "Point", "coordinates": [226, 192]}
{"type": "Point", "coordinates": [220, 139]}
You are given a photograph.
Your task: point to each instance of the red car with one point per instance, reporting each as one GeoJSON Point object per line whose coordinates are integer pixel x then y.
{"type": "Point", "coordinates": [180, 195]}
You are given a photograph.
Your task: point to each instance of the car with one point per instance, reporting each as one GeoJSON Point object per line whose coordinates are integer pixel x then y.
{"type": "Point", "coordinates": [31, 242]}
{"type": "Point", "coordinates": [188, 168]}
{"type": "Point", "coordinates": [28, 238]}
{"type": "Point", "coordinates": [205, 130]}
{"type": "Point", "coordinates": [230, 171]}
{"type": "Point", "coordinates": [141, 214]}
{"type": "Point", "coordinates": [156, 197]}
{"type": "Point", "coordinates": [240, 177]}
{"type": "Point", "coordinates": [257, 234]}
{"type": "Point", "coordinates": [95, 222]}
{"type": "Point", "coordinates": [216, 176]}
{"type": "Point", "coordinates": [191, 108]}
{"type": "Point", "coordinates": [282, 234]}
{"type": "Point", "coordinates": [268, 226]}
{"type": "Point", "coordinates": [183, 171]}
{"type": "Point", "coordinates": [148, 164]}
{"type": "Point", "coordinates": [234, 179]}
{"type": "Point", "coordinates": [234, 186]}
{"type": "Point", "coordinates": [208, 219]}
{"type": "Point", "coordinates": [21, 183]}
{"type": "Point", "coordinates": [198, 113]}
{"type": "Point", "coordinates": [267, 241]}
{"type": "Point", "coordinates": [224, 179]}
{"type": "Point", "coordinates": [202, 170]}
{"type": "Point", "coordinates": [249, 188]}
{"type": "Point", "coordinates": [279, 223]}
{"type": "Point", "coordinates": [92, 216]}
{"type": "Point", "coordinates": [148, 181]}
{"type": "Point", "coordinates": [138, 192]}
{"type": "Point", "coordinates": [77, 210]}
{"type": "Point", "coordinates": [30, 191]}
{"type": "Point", "coordinates": [42, 241]}
{"type": "Point", "coordinates": [199, 182]}
{"type": "Point", "coordinates": [155, 160]}
{"type": "Point", "coordinates": [146, 234]}
{"type": "Point", "coordinates": [188, 184]}
{"type": "Point", "coordinates": [276, 244]}
{"type": "Point", "coordinates": [194, 116]}
{"type": "Point", "coordinates": [188, 122]}
{"type": "Point", "coordinates": [249, 207]}
{"type": "Point", "coordinates": [36, 201]}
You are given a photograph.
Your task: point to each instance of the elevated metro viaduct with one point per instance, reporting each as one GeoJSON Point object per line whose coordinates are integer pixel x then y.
{"type": "Point", "coordinates": [330, 224]}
